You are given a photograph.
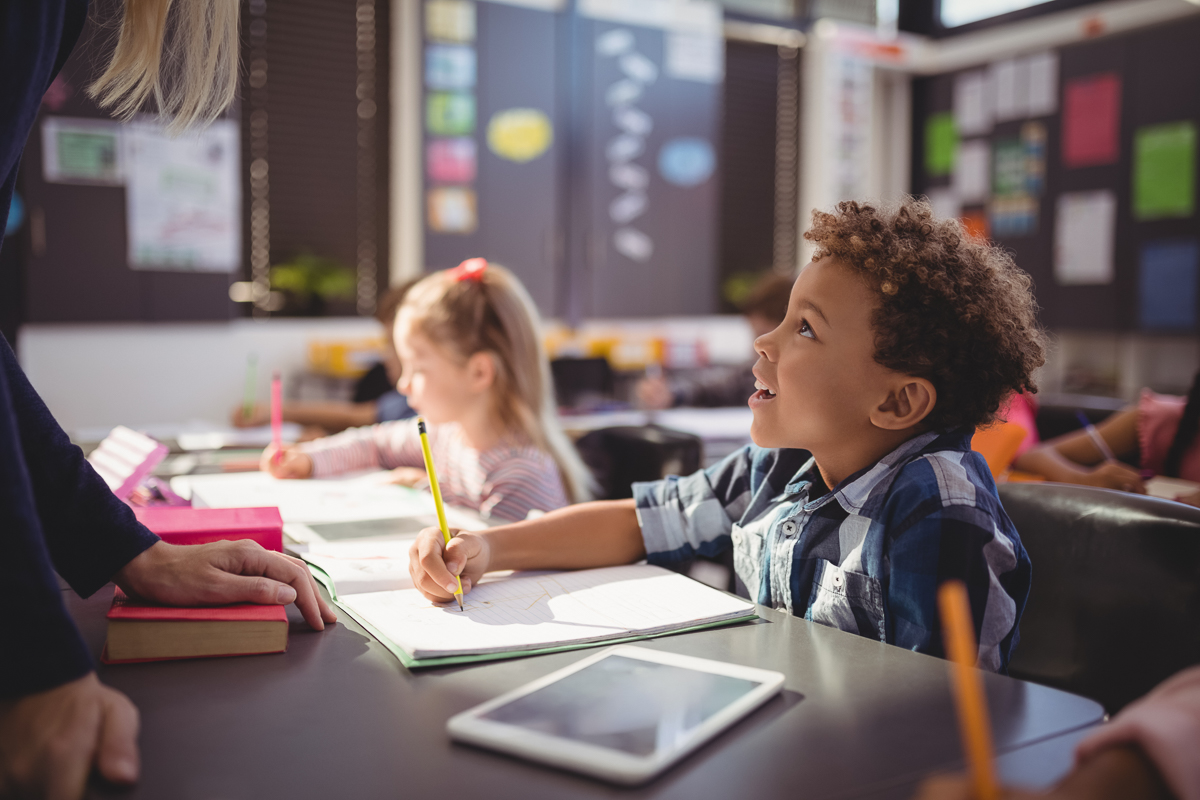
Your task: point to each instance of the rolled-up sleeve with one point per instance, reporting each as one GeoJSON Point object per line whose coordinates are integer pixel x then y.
{"type": "Point", "coordinates": [682, 517]}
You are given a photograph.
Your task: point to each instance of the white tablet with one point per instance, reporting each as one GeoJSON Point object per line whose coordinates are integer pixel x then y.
{"type": "Point", "coordinates": [623, 715]}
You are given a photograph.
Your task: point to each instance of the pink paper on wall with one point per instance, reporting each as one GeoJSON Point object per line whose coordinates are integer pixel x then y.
{"type": "Point", "coordinates": [1091, 120]}
{"type": "Point", "coordinates": [450, 160]}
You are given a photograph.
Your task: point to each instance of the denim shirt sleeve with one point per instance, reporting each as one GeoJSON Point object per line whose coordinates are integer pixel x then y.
{"type": "Point", "coordinates": [682, 517]}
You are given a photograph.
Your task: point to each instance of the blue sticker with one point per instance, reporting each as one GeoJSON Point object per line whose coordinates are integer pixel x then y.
{"type": "Point", "coordinates": [1167, 283]}
{"type": "Point", "coordinates": [449, 67]}
{"type": "Point", "coordinates": [16, 215]}
{"type": "Point", "coordinates": [687, 161]}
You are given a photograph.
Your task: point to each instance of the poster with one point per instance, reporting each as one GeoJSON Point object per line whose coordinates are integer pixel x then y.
{"type": "Point", "coordinates": [1167, 285]}
{"type": "Point", "coordinates": [449, 67]}
{"type": "Point", "coordinates": [972, 103]}
{"type": "Point", "coordinates": [971, 172]}
{"type": "Point", "coordinates": [1042, 99]}
{"type": "Point", "coordinates": [450, 20]}
{"type": "Point", "coordinates": [941, 144]}
{"type": "Point", "coordinates": [450, 160]}
{"type": "Point", "coordinates": [450, 113]}
{"type": "Point", "coordinates": [1091, 120]}
{"type": "Point", "coordinates": [1164, 171]}
{"type": "Point", "coordinates": [1084, 234]}
{"type": "Point", "coordinates": [452, 209]}
{"type": "Point", "coordinates": [84, 151]}
{"type": "Point", "coordinates": [183, 198]}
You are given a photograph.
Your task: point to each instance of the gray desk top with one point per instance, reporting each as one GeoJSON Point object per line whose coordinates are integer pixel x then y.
{"type": "Point", "coordinates": [338, 716]}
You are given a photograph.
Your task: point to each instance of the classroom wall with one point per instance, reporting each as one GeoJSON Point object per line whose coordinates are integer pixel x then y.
{"type": "Point", "coordinates": [99, 376]}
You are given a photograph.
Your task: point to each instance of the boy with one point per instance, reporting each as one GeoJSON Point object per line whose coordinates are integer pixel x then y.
{"type": "Point", "coordinates": [900, 337]}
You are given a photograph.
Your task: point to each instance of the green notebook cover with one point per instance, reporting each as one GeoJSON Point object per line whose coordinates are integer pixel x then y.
{"type": "Point", "coordinates": [417, 663]}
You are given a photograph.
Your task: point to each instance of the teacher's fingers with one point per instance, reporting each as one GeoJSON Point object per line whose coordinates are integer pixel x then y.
{"type": "Point", "coordinates": [264, 576]}
{"type": "Point", "coordinates": [117, 753]}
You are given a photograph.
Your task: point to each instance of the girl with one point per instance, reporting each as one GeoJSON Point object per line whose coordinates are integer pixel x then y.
{"type": "Point", "coordinates": [475, 368]}
{"type": "Point", "coordinates": [1159, 433]}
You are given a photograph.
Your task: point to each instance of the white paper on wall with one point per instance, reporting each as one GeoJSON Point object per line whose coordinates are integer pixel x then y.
{"type": "Point", "coordinates": [1083, 238]}
{"type": "Point", "coordinates": [183, 198]}
{"type": "Point", "coordinates": [972, 172]}
{"type": "Point", "coordinates": [1043, 84]}
{"type": "Point", "coordinates": [972, 103]}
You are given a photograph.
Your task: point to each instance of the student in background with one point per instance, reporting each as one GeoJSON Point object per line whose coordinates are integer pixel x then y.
{"type": "Point", "coordinates": [1159, 434]}
{"type": "Point", "coordinates": [1150, 751]}
{"type": "Point", "coordinates": [58, 723]}
{"type": "Point", "coordinates": [375, 396]}
{"type": "Point", "coordinates": [475, 369]}
{"type": "Point", "coordinates": [901, 336]}
{"type": "Point", "coordinates": [764, 309]}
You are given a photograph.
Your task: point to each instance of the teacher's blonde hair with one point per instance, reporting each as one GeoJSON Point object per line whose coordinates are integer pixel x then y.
{"type": "Point", "coordinates": [184, 54]}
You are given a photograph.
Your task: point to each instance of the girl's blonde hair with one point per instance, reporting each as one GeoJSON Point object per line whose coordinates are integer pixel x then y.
{"type": "Point", "coordinates": [489, 311]}
{"type": "Point", "coordinates": [187, 60]}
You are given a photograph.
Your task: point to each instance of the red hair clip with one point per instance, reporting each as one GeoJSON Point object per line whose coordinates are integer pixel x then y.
{"type": "Point", "coordinates": [470, 270]}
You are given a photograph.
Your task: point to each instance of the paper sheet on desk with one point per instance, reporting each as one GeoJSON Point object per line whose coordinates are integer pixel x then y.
{"type": "Point", "coordinates": [362, 498]}
{"type": "Point", "coordinates": [355, 567]}
{"type": "Point", "coordinates": [522, 613]}
{"type": "Point", "coordinates": [1170, 488]}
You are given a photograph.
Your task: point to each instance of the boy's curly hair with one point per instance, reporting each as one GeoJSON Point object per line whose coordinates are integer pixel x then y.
{"type": "Point", "coordinates": [953, 310]}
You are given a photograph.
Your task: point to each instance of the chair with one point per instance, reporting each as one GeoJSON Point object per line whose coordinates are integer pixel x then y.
{"type": "Point", "coordinates": [620, 456]}
{"type": "Point", "coordinates": [1114, 607]}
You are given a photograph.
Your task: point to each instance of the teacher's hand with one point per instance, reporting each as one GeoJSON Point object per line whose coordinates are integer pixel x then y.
{"type": "Point", "coordinates": [220, 573]}
{"type": "Point", "coordinates": [50, 741]}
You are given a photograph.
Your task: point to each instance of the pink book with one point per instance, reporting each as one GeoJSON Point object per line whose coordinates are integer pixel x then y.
{"type": "Point", "coordinates": [189, 525]}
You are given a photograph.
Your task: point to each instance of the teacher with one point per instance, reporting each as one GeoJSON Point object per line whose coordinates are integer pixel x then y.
{"type": "Point", "coordinates": [57, 721]}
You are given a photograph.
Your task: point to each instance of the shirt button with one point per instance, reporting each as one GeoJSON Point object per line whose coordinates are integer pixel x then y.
{"type": "Point", "coordinates": [837, 580]}
{"type": "Point", "coordinates": [789, 528]}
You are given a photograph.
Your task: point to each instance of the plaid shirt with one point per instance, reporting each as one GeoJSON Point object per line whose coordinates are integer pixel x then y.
{"type": "Point", "coordinates": [866, 558]}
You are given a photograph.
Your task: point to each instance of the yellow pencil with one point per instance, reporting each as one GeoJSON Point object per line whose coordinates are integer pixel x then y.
{"type": "Point", "coordinates": [958, 635]}
{"type": "Point", "coordinates": [437, 498]}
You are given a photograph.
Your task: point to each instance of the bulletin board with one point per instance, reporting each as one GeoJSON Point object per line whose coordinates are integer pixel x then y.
{"type": "Point", "coordinates": [1081, 162]}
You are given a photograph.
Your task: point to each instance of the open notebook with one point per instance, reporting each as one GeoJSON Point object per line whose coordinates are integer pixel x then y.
{"type": "Point", "coordinates": [514, 614]}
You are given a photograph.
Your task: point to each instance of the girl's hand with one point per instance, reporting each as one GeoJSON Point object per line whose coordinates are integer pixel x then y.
{"type": "Point", "coordinates": [1192, 499]}
{"type": "Point", "coordinates": [433, 564]}
{"type": "Point", "coordinates": [408, 476]}
{"type": "Point", "coordinates": [291, 463]}
{"type": "Point", "coordinates": [219, 573]}
{"type": "Point", "coordinates": [1115, 475]}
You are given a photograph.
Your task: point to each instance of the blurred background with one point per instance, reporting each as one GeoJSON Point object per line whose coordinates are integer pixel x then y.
{"type": "Point", "coordinates": [642, 165]}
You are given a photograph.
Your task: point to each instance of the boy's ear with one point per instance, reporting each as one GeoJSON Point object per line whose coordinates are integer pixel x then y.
{"type": "Point", "coordinates": [909, 401]}
{"type": "Point", "coordinates": [481, 371]}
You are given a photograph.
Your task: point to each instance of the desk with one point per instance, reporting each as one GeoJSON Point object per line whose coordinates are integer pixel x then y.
{"type": "Point", "coordinates": [337, 716]}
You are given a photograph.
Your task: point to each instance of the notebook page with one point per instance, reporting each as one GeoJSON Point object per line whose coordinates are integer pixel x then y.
{"type": "Point", "coordinates": [527, 612]}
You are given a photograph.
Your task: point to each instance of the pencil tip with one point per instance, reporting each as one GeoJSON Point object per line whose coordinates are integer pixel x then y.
{"type": "Point", "coordinates": [460, 603]}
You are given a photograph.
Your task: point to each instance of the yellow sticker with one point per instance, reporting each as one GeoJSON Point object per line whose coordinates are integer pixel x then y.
{"type": "Point", "coordinates": [520, 134]}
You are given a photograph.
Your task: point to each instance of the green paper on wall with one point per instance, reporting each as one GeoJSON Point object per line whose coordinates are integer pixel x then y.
{"type": "Point", "coordinates": [450, 113]}
{"type": "Point", "coordinates": [1164, 171]}
{"type": "Point", "coordinates": [941, 144]}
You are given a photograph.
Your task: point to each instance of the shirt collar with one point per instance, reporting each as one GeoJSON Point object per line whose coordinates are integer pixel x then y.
{"type": "Point", "coordinates": [853, 492]}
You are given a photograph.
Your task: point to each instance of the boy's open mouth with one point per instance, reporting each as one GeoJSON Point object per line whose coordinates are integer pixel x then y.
{"type": "Point", "coordinates": [763, 392]}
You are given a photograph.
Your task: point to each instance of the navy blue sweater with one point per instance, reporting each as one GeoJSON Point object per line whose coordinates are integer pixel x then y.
{"type": "Point", "coordinates": [56, 514]}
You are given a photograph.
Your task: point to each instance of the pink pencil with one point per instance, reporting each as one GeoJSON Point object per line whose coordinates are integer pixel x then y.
{"type": "Point", "coordinates": [276, 417]}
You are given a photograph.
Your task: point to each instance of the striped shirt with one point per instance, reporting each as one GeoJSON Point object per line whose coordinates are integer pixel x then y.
{"type": "Point", "coordinates": [867, 557]}
{"type": "Point", "coordinates": [503, 483]}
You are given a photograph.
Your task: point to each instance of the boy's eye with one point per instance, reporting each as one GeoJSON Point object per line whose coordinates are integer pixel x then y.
{"type": "Point", "coordinates": [806, 329]}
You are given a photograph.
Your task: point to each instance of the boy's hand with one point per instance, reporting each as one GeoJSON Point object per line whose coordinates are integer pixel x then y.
{"type": "Point", "coordinates": [958, 787]}
{"type": "Point", "coordinates": [1115, 475]}
{"type": "Point", "coordinates": [50, 741]}
{"type": "Point", "coordinates": [433, 564]}
{"type": "Point", "coordinates": [219, 573]}
{"type": "Point", "coordinates": [291, 463]}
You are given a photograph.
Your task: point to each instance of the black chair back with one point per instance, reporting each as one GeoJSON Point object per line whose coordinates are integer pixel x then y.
{"type": "Point", "coordinates": [620, 456]}
{"type": "Point", "coordinates": [1114, 607]}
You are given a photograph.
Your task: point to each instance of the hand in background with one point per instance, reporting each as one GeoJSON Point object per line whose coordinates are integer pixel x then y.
{"type": "Point", "coordinates": [50, 741]}
{"type": "Point", "coordinates": [958, 787]}
{"type": "Point", "coordinates": [1115, 475]}
{"type": "Point", "coordinates": [408, 476]}
{"type": "Point", "coordinates": [1190, 499]}
{"type": "Point", "coordinates": [433, 564]}
{"type": "Point", "coordinates": [219, 573]}
{"type": "Point", "coordinates": [653, 393]}
{"type": "Point", "coordinates": [259, 415]}
{"type": "Point", "coordinates": [290, 464]}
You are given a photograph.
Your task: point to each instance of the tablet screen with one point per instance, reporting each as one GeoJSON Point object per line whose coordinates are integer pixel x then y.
{"type": "Point", "coordinates": [627, 704]}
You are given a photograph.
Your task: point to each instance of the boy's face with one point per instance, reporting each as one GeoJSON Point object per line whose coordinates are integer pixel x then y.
{"type": "Point", "coordinates": [818, 367]}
